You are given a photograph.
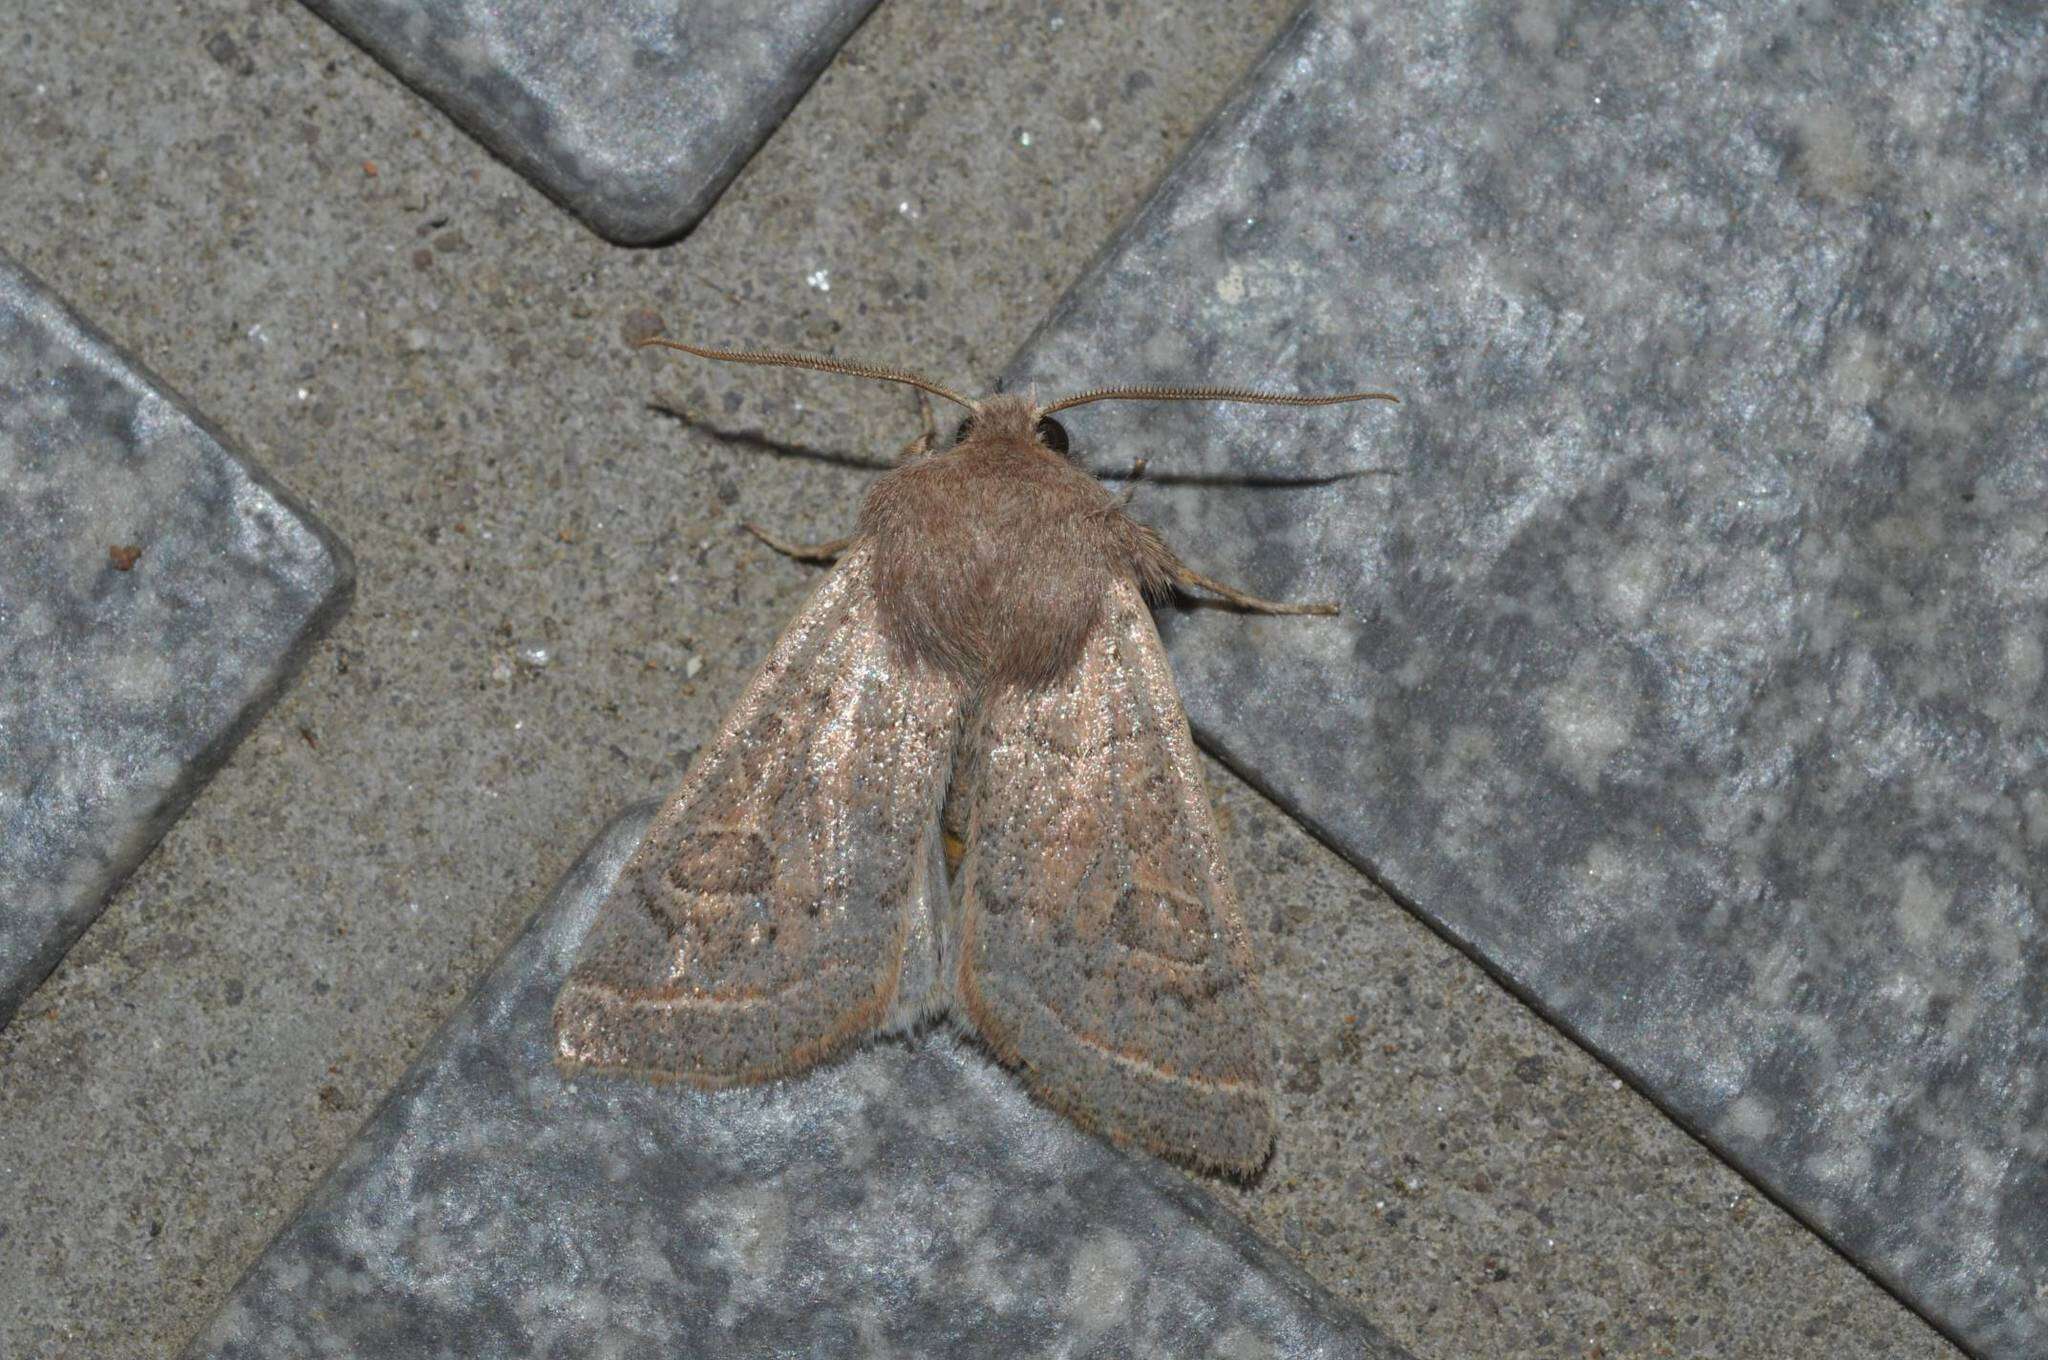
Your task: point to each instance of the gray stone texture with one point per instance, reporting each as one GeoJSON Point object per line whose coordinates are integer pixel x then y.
{"type": "Point", "coordinates": [909, 1200]}
{"type": "Point", "coordinates": [556, 605]}
{"type": "Point", "coordinates": [155, 593]}
{"type": "Point", "coordinates": [633, 114]}
{"type": "Point", "coordinates": [1691, 669]}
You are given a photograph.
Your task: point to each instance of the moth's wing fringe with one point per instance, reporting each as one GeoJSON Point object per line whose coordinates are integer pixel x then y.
{"type": "Point", "coordinates": [765, 921]}
{"type": "Point", "coordinates": [1087, 1115]}
{"type": "Point", "coordinates": [1101, 947]}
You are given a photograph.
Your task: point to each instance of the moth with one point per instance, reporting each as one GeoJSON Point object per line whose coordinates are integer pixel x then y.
{"type": "Point", "coordinates": [981, 657]}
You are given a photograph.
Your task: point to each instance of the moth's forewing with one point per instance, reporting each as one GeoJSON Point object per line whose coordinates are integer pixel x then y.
{"type": "Point", "coordinates": [1101, 947]}
{"type": "Point", "coordinates": [777, 910]}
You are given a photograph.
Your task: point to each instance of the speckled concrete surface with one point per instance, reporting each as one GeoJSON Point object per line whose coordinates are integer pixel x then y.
{"type": "Point", "coordinates": [155, 594]}
{"type": "Point", "coordinates": [555, 605]}
{"type": "Point", "coordinates": [634, 113]}
{"type": "Point", "coordinates": [1693, 671]}
{"type": "Point", "coordinates": [909, 1200]}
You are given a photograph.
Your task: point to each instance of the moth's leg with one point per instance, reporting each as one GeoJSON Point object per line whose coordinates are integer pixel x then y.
{"type": "Point", "coordinates": [922, 445]}
{"type": "Point", "coordinates": [1131, 482]}
{"type": "Point", "coordinates": [802, 552]}
{"type": "Point", "coordinates": [1189, 579]}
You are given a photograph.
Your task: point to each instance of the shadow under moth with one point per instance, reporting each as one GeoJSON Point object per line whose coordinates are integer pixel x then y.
{"type": "Point", "coordinates": [981, 660]}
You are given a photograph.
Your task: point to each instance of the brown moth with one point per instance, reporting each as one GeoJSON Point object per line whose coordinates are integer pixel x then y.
{"type": "Point", "coordinates": [982, 657]}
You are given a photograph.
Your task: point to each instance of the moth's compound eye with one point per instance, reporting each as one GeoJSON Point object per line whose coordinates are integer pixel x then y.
{"type": "Point", "coordinates": [1052, 434]}
{"type": "Point", "coordinates": [966, 428]}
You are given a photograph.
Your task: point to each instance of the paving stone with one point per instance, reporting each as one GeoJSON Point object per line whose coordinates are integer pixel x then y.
{"type": "Point", "coordinates": [155, 594]}
{"type": "Point", "coordinates": [634, 114]}
{"type": "Point", "coordinates": [907, 1200]}
{"type": "Point", "coordinates": [1690, 672]}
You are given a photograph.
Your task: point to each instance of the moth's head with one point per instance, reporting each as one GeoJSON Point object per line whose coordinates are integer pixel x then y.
{"type": "Point", "coordinates": [1014, 421]}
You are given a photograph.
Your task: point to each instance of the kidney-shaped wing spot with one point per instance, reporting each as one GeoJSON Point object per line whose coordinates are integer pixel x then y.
{"type": "Point", "coordinates": [1101, 948]}
{"type": "Point", "coordinates": [764, 922]}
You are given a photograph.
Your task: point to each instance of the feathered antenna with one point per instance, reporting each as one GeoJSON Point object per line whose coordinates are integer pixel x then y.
{"type": "Point", "coordinates": [1209, 394]}
{"type": "Point", "coordinates": [781, 359]}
